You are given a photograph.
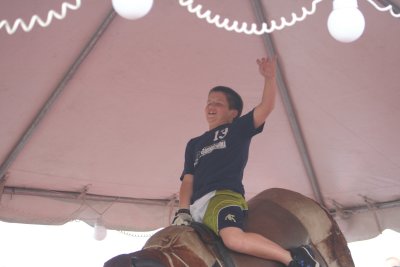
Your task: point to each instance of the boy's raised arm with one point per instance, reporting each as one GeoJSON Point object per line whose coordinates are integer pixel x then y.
{"type": "Point", "coordinates": [267, 68]}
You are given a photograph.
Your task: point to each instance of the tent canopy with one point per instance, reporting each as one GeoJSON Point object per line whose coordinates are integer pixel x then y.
{"type": "Point", "coordinates": [96, 110]}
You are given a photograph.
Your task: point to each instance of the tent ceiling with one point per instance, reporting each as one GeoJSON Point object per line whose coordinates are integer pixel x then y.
{"type": "Point", "coordinates": [112, 142]}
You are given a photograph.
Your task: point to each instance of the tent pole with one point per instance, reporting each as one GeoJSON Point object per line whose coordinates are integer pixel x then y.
{"type": "Point", "coordinates": [261, 17]}
{"type": "Point", "coordinates": [68, 195]}
{"type": "Point", "coordinates": [396, 7]}
{"type": "Point", "coordinates": [13, 154]}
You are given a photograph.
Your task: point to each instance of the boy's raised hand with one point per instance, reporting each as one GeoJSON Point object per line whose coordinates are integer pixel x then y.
{"type": "Point", "coordinates": [267, 67]}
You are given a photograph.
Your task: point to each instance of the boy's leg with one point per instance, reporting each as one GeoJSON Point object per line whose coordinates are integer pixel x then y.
{"type": "Point", "coordinates": [257, 245]}
{"type": "Point", "coordinates": [225, 216]}
{"type": "Point", "coordinates": [254, 244]}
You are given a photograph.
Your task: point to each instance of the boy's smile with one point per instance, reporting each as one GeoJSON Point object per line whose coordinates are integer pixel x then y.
{"type": "Point", "coordinates": [218, 111]}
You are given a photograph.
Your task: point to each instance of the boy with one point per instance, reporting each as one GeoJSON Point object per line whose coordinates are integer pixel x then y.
{"type": "Point", "coordinates": [213, 171]}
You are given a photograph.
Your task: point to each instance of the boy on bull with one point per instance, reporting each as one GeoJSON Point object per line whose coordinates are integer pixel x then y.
{"type": "Point", "coordinates": [211, 191]}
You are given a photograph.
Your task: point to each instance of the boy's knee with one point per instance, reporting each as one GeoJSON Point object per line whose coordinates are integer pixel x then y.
{"type": "Point", "coordinates": [232, 239]}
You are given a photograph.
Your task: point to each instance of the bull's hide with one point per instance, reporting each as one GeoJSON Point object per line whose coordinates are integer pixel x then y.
{"type": "Point", "coordinates": [288, 218]}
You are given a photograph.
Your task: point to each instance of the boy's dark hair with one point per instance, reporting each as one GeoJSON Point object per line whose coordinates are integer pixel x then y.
{"type": "Point", "coordinates": [234, 100]}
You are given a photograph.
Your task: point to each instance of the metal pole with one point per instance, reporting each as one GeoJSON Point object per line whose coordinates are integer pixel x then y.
{"type": "Point", "coordinates": [66, 195]}
{"type": "Point", "coordinates": [395, 6]}
{"type": "Point", "coordinates": [261, 17]}
{"type": "Point", "coordinates": [17, 191]}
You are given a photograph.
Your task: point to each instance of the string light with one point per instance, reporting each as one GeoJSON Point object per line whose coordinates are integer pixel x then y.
{"type": "Point", "coordinates": [140, 8]}
{"type": "Point", "coordinates": [346, 23]}
{"type": "Point", "coordinates": [100, 231]}
{"type": "Point", "coordinates": [37, 20]}
{"type": "Point", "coordinates": [131, 9]}
{"type": "Point", "coordinates": [243, 28]}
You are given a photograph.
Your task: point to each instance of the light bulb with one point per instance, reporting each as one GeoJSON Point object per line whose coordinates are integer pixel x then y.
{"type": "Point", "coordinates": [100, 231]}
{"type": "Point", "coordinates": [346, 22]}
{"type": "Point", "coordinates": [132, 9]}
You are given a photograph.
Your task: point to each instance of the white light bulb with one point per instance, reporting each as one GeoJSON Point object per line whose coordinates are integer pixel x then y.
{"type": "Point", "coordinates": [132, 9]}
{"type": "Point", "coordinates": [100, 231]}
{"type": "Point", "coordinates": [346, 23]}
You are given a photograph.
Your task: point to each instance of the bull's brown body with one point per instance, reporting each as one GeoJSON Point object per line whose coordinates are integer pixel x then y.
{"type": "Point", "coordinates": [286, 217]}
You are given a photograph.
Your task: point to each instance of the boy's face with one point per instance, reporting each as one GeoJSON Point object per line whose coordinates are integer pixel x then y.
{"type": "Point", "coordinates": [217, 110]}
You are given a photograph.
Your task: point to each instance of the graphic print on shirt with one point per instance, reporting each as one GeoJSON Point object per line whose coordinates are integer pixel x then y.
{"type": "Point", "coordinates": [219, 135]}
{"type": "Point", "coordinates": [220, 144]}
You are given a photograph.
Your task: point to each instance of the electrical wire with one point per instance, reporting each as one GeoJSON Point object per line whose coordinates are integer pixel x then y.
{"type": "Point", "coordinates": [197, 10]}
{"type": "Point", "coordinates": [11, 29]}
{"type": "Point", "coordinates": [244, 28]}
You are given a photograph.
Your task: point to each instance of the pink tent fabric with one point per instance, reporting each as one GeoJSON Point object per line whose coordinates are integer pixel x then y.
{"type": "Point", "coordinates": [96, 110]}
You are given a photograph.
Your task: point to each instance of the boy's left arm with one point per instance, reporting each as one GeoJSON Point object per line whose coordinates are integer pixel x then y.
{"type": "Point", "coordinates": [267, 68]}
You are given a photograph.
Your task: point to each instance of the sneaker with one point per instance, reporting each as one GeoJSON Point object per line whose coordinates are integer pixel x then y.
{"type": "Point", "coordinates": [303, 257]}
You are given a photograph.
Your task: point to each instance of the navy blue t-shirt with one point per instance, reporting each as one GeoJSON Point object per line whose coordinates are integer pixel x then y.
{"type": "Point", "coordinates": [217, 158]}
